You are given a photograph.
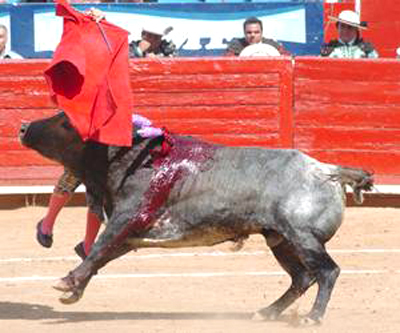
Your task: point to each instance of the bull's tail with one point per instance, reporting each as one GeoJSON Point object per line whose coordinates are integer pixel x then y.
{"type": "Point", "coordinates": [359, 180]}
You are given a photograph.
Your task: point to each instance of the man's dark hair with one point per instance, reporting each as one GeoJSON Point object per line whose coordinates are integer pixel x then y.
{"type": "Point", "coordinates": [252, 20]}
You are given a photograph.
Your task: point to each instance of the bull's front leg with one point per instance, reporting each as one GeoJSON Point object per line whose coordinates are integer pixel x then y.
{"type": "Point", "coordinates": [110, 245]}
{"type": "Point", "coordinates": [73, 285]}
{"type": "Point", "coordinates": [75, 282]}
{"type": "Point", "coordinates": [136, 210]}
{"type": "Point", "coordinates": [103, 251]}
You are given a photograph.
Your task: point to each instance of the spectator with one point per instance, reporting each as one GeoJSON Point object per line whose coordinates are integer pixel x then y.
{"type": "Point", "coordinates": [253, 35]}
{"type": "Point", "coordinates": [152, 43]}
{"type": "Point", "coordinates": [349, 44]}
{"type": "Point", "coordinates": [4, 52]}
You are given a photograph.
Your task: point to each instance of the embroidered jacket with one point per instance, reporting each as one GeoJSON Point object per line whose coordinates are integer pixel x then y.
{"type": "Point", "coordinates": [358, 49]}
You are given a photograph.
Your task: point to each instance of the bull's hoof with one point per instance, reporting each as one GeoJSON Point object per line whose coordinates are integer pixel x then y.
{"type": "Point", "coordinates": [310, 321]}
{"type": "Point", "coordinates": [70, 297]}
{"type": "Point", "coordinates": [266, 314]}
{"type": "Point", "coordinates": [62, 285]}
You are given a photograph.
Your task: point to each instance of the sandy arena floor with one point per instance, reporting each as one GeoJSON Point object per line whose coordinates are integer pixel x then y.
{"type": "Point", "coordinates": [195, 289]}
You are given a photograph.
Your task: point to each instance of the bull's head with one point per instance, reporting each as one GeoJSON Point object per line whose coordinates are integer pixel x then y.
{"type": "Point", "coordinates": [54, 138]}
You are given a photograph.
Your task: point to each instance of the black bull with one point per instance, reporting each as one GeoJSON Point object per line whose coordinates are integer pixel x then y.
{"type": "Point", "coordinates": [204, 194]}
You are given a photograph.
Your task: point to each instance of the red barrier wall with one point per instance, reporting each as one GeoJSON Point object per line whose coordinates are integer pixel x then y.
{"type": "Point", "coordinates": [348, 112]}
{"type": "Point", "coordinates": [339, 111]}
{"type": "Point", "coordinates": [240, 102]}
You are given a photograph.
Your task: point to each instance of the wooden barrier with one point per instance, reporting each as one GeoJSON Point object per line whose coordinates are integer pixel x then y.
{"type": "Point", "coordinates": [240, 102]}
{"type": "Point", "coordinates": [339, 111]}
{"type": "Point", "coordinates": [348, 112]}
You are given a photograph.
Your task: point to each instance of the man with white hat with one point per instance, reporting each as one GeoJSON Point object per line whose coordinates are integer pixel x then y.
{"type": "Point", "coordinates": [349, 44]}
{"type": "Point", "coordinates": [152, 43]}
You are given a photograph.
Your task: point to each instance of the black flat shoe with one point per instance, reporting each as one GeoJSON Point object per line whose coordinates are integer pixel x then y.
{"type": "Point", "coordinates": [43, 239]}
{"type": "Point", "coordinates": [80, 250]}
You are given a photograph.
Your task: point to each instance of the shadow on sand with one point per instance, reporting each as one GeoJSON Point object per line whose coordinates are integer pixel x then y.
{"type": "Point", "coordinates": [10, 311]}
{"type": "Point", "coordinates": [25, 311]}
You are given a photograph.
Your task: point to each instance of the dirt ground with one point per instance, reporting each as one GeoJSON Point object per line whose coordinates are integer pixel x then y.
{"type": "Point", "coordinates": [195, 289]}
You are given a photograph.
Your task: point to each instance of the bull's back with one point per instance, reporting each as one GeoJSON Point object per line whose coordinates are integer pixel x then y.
{"type": "Point", "coordinates": [257, 170]}
{"type": "Point", "coordinates": [244, 183]}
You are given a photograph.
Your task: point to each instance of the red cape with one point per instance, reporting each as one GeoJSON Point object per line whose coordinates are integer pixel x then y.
{"type": "Point", "coordinates": [89, 77]}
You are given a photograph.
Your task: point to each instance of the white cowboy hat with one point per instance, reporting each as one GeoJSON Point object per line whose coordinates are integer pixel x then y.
{"type": "Point", "coordinates": [157, 30]}
{"type": "Point", "coordinates": [259, 50]}
{"type": "Point", "coordinates": [349, 17]}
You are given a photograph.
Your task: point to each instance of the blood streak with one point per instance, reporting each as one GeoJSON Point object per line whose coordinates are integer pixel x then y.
{"type": "Point", "coordinates": [186, 157]}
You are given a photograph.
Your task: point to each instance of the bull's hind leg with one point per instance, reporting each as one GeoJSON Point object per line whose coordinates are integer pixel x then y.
{"type": "Point", "coordinates": [290, 262]}
{"type": "Point", "coordinates": [318, 263]}
{"type": "Point", "coordinates": [326, 271]}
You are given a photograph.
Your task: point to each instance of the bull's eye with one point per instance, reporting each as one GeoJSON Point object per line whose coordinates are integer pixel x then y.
{"type": "Point", "coordinates": [66, 125]}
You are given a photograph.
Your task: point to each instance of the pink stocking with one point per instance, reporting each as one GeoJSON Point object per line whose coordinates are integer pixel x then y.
{"type": "Point", "coordinates": [92, 228]}
{"type": "Point", "coordinates": [57, 202]}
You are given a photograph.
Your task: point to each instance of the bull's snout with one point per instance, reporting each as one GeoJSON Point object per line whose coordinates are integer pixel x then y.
{"type": "Point", "coordinates": [22, 131]}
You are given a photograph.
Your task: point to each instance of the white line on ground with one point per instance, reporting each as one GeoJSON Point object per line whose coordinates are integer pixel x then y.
{"type": "Point", "coordinates": [197, 254]}
{"type": "Point", "coordinates": [35, 189]}
{"type": "Point", "coordinates": [36, 278]}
